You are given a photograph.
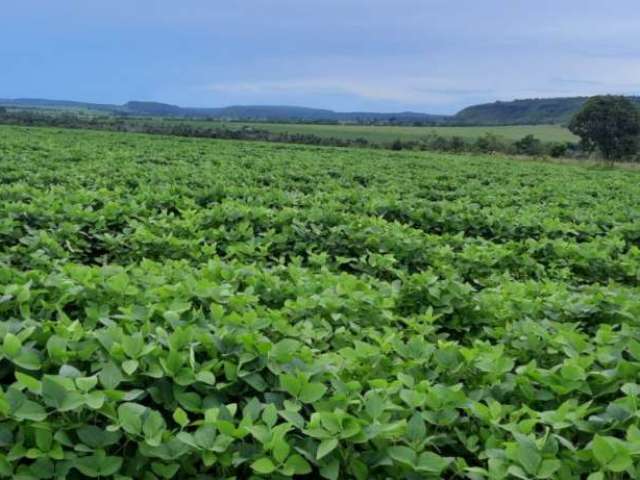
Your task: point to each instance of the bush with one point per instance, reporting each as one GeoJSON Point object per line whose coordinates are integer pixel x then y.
{"type": "Point", "coordinates": [490, 143]}
{"type": "Point", "coordinates": [529, 145]}
{"type": "Point", "coordinates": [397, 145]}
{"type": "Point", "coordinates": [457, 144]}
{"type": "Point", "coordinates": [558, 150]}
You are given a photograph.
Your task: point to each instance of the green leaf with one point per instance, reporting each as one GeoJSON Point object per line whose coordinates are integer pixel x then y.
{"type": "Point", "coordinates": [171, 450]}
{"type": "Point", "coordinates": [374, 405]}
{"type": "Point", "coordinates": [181, 417]}
{"type": "Point", "coordinates": [298, 464]}
{"type": "Point", "coordinates": [264, 466]}
{"type": "Point", "coordinates": [130, 366]}
{"type": "Point", "coordinates": [206, 377]}
{"type": "Point", "coordinates": [87, 466]}
{"type": "Point", "coordinates": [130, 417]}
{"type": "Point", "coordinates": [110, 376]}
{"type": "Point", "coordinates": [133, 345]}
{"type": "Point", "coordinates": [331, 471]}
{"type": "Point", "coordinates": [416, 429]}
{"type": "Point", "coordinates": [44, 439]}
{"type": "Point", "coordinates": [432, 463]}
{"type": "Point", "coordinates": [548, 468]}
{"type": "Point", "coordinates": [165, 471]}
{"type": "Point", "coordinates": [611, 453]}
{"type": "Point", "coordinates": [98, 465]}
{"type": "Point", "coordinates": [270, 415]}
{"type": "Point", "coordinates": [11, 345]}
{"type": "Point", "coordinates": [5, 467]}
{"type": "Point", "coordinates": [29, 410]}
{"type": "Point", "coordinates": [95, 400]}
{"type": "Point", "coordinates": [205, 437]}
{"type": "Point", "coordinates": [413, 398]}
{"type": "Point", "coordinates": [281, 450]}
{"type": "Point", "coordinates": [94, 437]}
{"type": "Point", "coordinates": [153, 427]}
{"type": "Point", "coordinates": [403, 455]}
{"type": "Point", "coordinates": [28, 382]}
{"type": "Point", "coordinates": [528, 454]}
{"type": "Point", "coordinates": [86, 383]}
{"type": "Point", "coordinates": [312, 392]}
{"type": "Point", "coordinates": [53, 392]}
{"type": "Point", "coordinates": [290, 384]}
{"type": "Point", "coordinates": [326, 447]}
{"type": "Point", "coordinates": [28, 359]}
{"type": "Point", "coordinates": [59, 393]}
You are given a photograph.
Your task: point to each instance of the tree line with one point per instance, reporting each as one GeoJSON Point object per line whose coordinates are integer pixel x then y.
{"type": "Point", "coordinates": [606, 124]}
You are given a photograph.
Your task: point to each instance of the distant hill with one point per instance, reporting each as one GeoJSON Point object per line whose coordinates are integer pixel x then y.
{"type": "Point", "coordinates": [524, 112]}
{"type": "Point", "coordinates": [274, 113]}
{"type": "Point", "coordinates": [57, 104]}
{"type": "Point", "coordinates": [279, 113]}
{"type": "Point", "coordinates": [516, 112]}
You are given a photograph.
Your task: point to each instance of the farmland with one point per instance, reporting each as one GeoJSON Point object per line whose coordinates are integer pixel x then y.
{"type": "Point", "coordinates": [380, 134]}
{"type": "Point", "coordinates": [191, 308]}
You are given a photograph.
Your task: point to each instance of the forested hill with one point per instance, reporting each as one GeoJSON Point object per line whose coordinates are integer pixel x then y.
{"type": "Point", "coordinates": [272, 113]}
{"type": "Point", "coordinates": [524, 112]}
{"type": "Point", "coordinates": [516, 112]}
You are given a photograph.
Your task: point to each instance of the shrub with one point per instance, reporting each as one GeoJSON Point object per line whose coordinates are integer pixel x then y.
{"type": "Point", "coordinates": [558, 150]}
{"type": "Point", "coordinates": [529, 145]}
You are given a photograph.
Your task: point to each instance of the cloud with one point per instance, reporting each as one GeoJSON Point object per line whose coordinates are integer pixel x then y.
{"type": "Point", "coordinates": [401, 90]}
{"type": "Point", "coordinates": [428, 55]}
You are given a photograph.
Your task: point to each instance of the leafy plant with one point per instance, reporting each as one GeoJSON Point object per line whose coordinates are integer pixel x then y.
{"type": "Point", "coordinates": [178, 309]}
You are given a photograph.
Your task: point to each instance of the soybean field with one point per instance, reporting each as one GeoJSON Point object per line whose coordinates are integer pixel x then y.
{"type": "Point", "coordinates": [175, 308]}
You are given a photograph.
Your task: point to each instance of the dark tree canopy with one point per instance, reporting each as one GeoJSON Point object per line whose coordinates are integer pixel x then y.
{"type": "Point", "coordinates": [529, 145]}
{"type": "Point", "coordinates": [610, 124]}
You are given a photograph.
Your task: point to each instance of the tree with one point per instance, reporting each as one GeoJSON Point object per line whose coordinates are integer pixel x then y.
{"type": "Point", "coordinates": [558, 150]}
{"type": "Point", "coordinates": [457, 144]}
{"type": "Point", "coordinates": [610, 124]}
{"type": "Point", "coordinates": [3, 111]}
{"type": "Point", "coordinates": [489, 143]}
{"type": "Point", "coordinates": [396, 145]}
{"type": "Point", "coordinates": [529, 145]}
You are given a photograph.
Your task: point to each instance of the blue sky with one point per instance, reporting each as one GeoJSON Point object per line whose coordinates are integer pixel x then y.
{"type": "Point", "coordinates": [422, 55]}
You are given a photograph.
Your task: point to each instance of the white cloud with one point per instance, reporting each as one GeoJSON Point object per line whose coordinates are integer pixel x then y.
{"type": "Point", "coordinates": [402, 90]}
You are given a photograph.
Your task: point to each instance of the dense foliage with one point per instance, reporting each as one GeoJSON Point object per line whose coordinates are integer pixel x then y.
{"type": "Point", "coordinates": [305, 134]}
{"type": "Point", "coordinates": [532, 111]}
{"type": "Point", "coordinates": [186, 308]}
{"type": "Point", "coordinates": [610, 124]}
{"type": "Point", "coordinates": [272, 113]}
{"type": "Point", "coordinates": [525, 112]}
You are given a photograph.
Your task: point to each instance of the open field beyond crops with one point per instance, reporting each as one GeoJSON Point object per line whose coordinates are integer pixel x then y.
{"type": "Point", "coordinates": [385, 134]}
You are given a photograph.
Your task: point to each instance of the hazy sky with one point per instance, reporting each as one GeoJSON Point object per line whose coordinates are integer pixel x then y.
{"type": "Point", "coordinates": [384, 55]}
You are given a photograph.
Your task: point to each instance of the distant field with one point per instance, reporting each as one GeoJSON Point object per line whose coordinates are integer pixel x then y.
{"type": "Point", "coordinates": [372, 133]}
{"type": "Point", "coordinates": [546, 133]}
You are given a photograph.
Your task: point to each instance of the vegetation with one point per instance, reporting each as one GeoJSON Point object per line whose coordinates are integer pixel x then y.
{"type": "Point", "coordinates": [529, 145]}
{"type": "Point", "coordinates": [248, 112]}
{"type": "Point", "coordinates": [611, 124]}
{"type": "Point", "coordinates": [388, 133]}
{"type": "Point", "coordinates": [543, 111]}
{"type": "Point", "coordinates": [442, 139]}
{"type": "Point", "coordinates": [189, 309]}
{"type": "Point", "coordinates": [526, 112]}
